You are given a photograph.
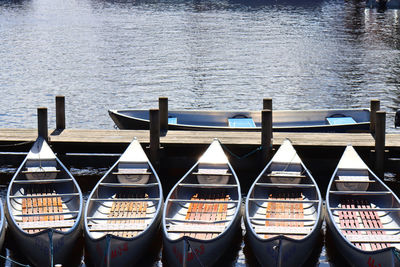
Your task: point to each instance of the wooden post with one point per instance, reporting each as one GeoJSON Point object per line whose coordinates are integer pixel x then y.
{"type": "Point", "coordinates": [60, 112]}
{"type": "Point", "coordinates": [380, 130]}
{"type": "Point", "coordinates": [163, 106]}
{"type": "Point", "coordinates": [266, 133]}
{"type": "Point", "coordinates": [374, 107]}
{"type": "Point", "coordinates": [154, 136]}
{"type": "Point", "coordinates": [267, 103]}
{"type": "Point", "coordinates": [42, 123]}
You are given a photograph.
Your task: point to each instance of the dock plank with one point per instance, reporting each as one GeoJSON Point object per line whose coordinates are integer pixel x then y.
{"type": "Point", "coordinates": [101, 136]}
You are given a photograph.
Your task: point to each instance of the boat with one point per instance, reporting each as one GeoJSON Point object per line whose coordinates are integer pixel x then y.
{"type": "Point", "coordinates": [283, 211]}
{"type": "Point", "coordinates": [2, 225]}
{"type": "Point", "coordinates": [363, 214]}
{"type": "Point", "coordinates": [335, 120]}
{"type": "Point", "coordinates": [202, 214]}
{"type": "Point", "coordinates": [44, 208]}
{"type": "Point", "coordinates": [123, 212]}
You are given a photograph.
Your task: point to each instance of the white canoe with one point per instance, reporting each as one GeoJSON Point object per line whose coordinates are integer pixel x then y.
{"type": "Point", "coordinates": [123, 212]}
{"type": "Point", "coordinates": [283, 211]}
{"type": "Point", "coordinates": [44, 208]}
{"type": "Point", "coordinates": [363, 214]}
{"type": "Point", "coordinates": [202, 212]}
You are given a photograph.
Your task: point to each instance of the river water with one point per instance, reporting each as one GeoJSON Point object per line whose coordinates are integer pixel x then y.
{"type": "Point", "coordinates": [202, 54]}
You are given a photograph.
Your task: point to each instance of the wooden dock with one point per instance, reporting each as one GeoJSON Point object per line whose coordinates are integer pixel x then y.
{"type": "Point", "coordinates": [10, 138]}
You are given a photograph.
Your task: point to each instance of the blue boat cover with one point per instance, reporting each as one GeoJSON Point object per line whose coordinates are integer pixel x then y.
{"type": "Point", "coordinates": [340, 120]}
{"type": "Point", "coordinates": [172, 120]}
{"type": "Point", "coordinates": [241, 122]}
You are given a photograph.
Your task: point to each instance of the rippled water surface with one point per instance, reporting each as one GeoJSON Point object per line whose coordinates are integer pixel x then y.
{"type": "Point", "coordinates": [202, 54]}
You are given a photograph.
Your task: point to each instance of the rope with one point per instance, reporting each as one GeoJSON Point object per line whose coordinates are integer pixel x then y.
{"type": "Point", "coordinates": [193, 251]}
{"type": "Point", "coordinates": [51, 247]}
{"type": "Point", "coordinates": [13, 261]}
{"type": "Point", "coordinates": [241, 157]}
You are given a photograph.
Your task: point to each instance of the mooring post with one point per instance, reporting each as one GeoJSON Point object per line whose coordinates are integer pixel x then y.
{"type": "Point", "coordinates": [375, 105]}
{"type": "Point", "coordinates": [154, 136]}
{"type": "Point", "coordinates": [60, 112]}
{"type": "Point", "coordinates": [266, 133]}
{"type": "Point", "coordinates": [163, 106]}
{"type": "Point", "coordinates": [267, 103]}
{"type": "Point", "coordinates": [42, 123]}
{"type": "Point", "coordinates": [380, 130]}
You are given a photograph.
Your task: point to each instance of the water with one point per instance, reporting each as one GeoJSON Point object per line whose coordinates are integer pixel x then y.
{"type": "Point", "coordinates": [202, 54]}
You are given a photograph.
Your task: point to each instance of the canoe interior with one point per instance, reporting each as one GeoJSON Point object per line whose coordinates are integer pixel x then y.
{"type": "Point", "coordinates": [281, 118]}
{"type": "Point", "coordinates": [284, 200]}
{"type": "Point", "coordinates": [202, 210]}
{"type": "Point", "coordinates": [123, 209]}
{"type": "Point", "coordinates": [283, 203]}
{"type": "Point", "coordinates": [44, 199]}
{"type": "Point", "coordinates": [358, 208]}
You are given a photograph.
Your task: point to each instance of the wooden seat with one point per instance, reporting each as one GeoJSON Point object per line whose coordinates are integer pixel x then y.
{"type": "Point", "coordinates": [284, 214]}
{"type": "Point", "coordinates": [282, 230]}
{"type": "Point", "coordinates": [43, 206]}
{"type": "Point", "coordinates": [205, 208]}
{"type": "Point", "coordinates": [126, 209]}
{"type": "Point", "coordinates": [196, 228]}
{"type": "Point", "coordinates": [358, 215]}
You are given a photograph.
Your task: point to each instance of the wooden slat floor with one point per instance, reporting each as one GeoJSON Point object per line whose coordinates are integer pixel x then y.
{"type": "Point", "coordinates": [197, 137]}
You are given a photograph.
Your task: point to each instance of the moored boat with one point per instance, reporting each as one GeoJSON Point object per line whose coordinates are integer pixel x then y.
{"type": "Point", "coordinates": [202, 215]}
{"type": "Point", "coordinates": [329, 120]}
{"type": "Point", "coordinates": [44, 208]}
{"type": "Point", "coordinates": [283, 212]}
{"type": "Point", "coordinates": [363, 214]}
{"type": "Point", "coordinates": [123, 212]}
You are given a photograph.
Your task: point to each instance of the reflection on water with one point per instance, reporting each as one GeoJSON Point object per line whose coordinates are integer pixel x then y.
{"type": "Point", "coordinates": [208, 54]}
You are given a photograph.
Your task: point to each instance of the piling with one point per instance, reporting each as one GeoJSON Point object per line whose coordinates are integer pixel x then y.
{"type": "Point", "coordinates": [380, 130]}
{"type": "Point", "coordinates": [374, 107]}
{"type": "Point", "coordinates": [163, 107]}
{"type": "Point", "coordinates": [266, 133]}
{"type": "Point", "coordinates": [267, 103]}
{"type": "Point", "coordinates": [154, 136]}
{"type": "Point", "coordinates": [60, 112]}
{"type": "Point", "coordinates": [42, 123]}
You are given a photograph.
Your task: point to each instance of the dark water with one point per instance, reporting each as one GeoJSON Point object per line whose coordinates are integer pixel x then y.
{"type": "Point", "coordinates": [202, 54]}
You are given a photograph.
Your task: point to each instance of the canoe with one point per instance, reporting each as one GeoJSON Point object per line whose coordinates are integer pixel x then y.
{"type": "Point", "coordinates": [283, 212]}
{"type": "Point", "coordinates": [123, 212]}
{"type": "Point", "coordinates": [335, 120]}
{"type": "Point", "coordinates": [44, 208]}
{"type": "Point", "coordinates": [2, 225]}
{"type": "Point", "coordinates": [363, 214]}
{"type": "Point", "coordinates": [202, 215]}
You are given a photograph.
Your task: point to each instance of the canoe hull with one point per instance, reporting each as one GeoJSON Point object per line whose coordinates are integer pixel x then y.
{"type": "Point", "coordinates": [282, 251]}
{"type": "Point", "coordinates": [122, 251]}
{"type": "Point", "coordinates": [130, 122]}
{"type": "Point", "coordinates": [208, 251]}
{"type": "Point", "coordinates": [36, 247]}
{"type": "Point", "coordinates": [356, 257]}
